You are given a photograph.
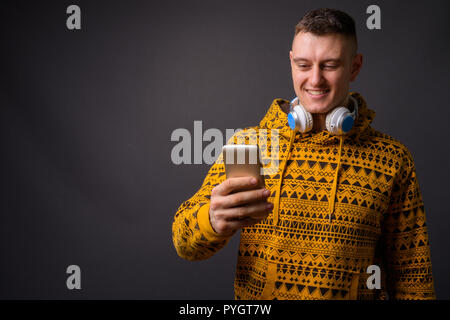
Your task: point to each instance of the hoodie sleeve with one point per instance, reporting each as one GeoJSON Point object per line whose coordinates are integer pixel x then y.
{"type": "Point", "coordinates": [407, 256]}
{"type": "Point", "coordinates": [192, 233]}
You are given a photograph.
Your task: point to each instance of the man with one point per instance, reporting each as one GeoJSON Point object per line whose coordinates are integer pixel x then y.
{"type": "Point", "coordinates": [341, 203]}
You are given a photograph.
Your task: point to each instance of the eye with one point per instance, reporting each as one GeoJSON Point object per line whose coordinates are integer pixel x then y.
{"type": "Point", "coordinates": [330, 67]}
{"type": "Point", "coordinates": [302, 66]}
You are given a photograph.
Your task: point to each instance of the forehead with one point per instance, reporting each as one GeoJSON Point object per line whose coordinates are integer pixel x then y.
{"type": "Point", "coordinates": [320, 47]}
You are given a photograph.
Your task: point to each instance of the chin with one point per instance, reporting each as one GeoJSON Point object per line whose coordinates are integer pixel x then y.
{"type": "Point", "coordinates": [318, 110]}
{"type": "Point", "coordinates": [315, 107]}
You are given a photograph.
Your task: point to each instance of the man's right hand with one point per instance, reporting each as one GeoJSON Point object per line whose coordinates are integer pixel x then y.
{"type": "Point", "coordinates": [234, 206]}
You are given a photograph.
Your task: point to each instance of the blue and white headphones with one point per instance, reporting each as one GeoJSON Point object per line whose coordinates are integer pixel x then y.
{"type": "Point", "coordinates": [338, 122]}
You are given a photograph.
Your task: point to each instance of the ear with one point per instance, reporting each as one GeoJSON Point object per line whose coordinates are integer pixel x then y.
{"type": "Point", "coordinates": [290, 55]}
{"type": "Point", "coordinates": [356, 66]}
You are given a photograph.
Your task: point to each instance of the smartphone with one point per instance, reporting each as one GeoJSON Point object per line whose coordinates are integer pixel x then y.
{"type": "Point", "coordinates": [243, 160]}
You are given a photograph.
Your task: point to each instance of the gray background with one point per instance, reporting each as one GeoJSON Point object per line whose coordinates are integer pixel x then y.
{"type": "Point", "coordinates": [86, 119]}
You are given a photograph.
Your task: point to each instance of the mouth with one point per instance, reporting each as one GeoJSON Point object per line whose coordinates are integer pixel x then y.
{"type": "Point", "coordinates": [317, 93]}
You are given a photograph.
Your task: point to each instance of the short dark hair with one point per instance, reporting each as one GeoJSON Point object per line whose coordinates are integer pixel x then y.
{"type": "Point", "coordinates": [325, 21]}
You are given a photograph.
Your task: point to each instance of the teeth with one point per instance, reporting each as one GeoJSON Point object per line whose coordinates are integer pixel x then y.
{"type": "Point", "coordinates": [315, 92]}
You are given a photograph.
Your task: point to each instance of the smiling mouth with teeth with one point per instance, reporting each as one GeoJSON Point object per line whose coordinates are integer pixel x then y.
{"type": "Point", "coordinates": [317, 92]}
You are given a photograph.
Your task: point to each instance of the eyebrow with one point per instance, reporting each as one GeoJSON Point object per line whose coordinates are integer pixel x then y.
{"type": "Point", "coordinates": [327, 60]}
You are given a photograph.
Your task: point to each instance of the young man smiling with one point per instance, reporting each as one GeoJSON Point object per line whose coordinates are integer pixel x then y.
{"type": "Point", "coordinates": [345, 196]}
{"type": "Point", "coordinates": [323, 65]}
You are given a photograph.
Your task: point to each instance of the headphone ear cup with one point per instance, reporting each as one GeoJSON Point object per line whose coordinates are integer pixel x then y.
{"type": "Point", "coordinates": [328, 124]}
{"type": "Point", "coordinates": [300, 119]}
{"type": "Point", "coordinates": [339, 121]}
{"type": "Point", "coordinates": [303, 119]}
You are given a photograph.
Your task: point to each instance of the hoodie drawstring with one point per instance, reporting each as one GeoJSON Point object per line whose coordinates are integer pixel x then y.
{"type": "Point", "coordinates": [333, 189]}
{"type": "Point", "coordinates": [276, 204]}
{"type": "Point", "coordinates": [332, 199]}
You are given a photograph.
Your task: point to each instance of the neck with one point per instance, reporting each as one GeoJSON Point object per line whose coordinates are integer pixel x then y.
{"type": "Point", "coordinates": [319, 121]}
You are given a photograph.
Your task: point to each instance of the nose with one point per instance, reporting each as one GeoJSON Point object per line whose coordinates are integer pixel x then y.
{"type": "Point", "coordinates": [316, 76]}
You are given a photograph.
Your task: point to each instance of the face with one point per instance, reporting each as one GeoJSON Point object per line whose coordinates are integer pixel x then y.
{"type": "Point", "coordinates": [322, 69]}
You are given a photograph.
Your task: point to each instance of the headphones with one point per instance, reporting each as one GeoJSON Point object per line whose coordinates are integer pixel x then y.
{"type": "Point", "coordinates": [338, 122]}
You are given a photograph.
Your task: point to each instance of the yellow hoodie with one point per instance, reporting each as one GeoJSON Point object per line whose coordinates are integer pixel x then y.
{"type": "Point", "coordinates": [341, 204]}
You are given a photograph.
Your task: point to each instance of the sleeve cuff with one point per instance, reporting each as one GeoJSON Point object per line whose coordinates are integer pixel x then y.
{"type": "Point", "coordinates": [205, 224]}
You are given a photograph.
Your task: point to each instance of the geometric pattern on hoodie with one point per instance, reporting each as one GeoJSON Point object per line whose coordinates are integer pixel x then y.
{"type": "Point", "coordinates": [341, 204]}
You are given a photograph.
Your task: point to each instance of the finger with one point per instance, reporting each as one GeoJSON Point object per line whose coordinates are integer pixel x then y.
{"type": "Point", "coordinates": [245, 197]}
{"type": "Point", "coordinates": [234, 184]}
{"type": "Point", "coordinates": [259, 210]}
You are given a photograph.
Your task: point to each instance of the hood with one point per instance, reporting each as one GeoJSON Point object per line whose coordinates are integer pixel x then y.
{"type": "Point", "coordinates": [276, 118]}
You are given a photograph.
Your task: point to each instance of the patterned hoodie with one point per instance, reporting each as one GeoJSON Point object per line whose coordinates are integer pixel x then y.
{"type": "Point", "coordinates": [343, 206]}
